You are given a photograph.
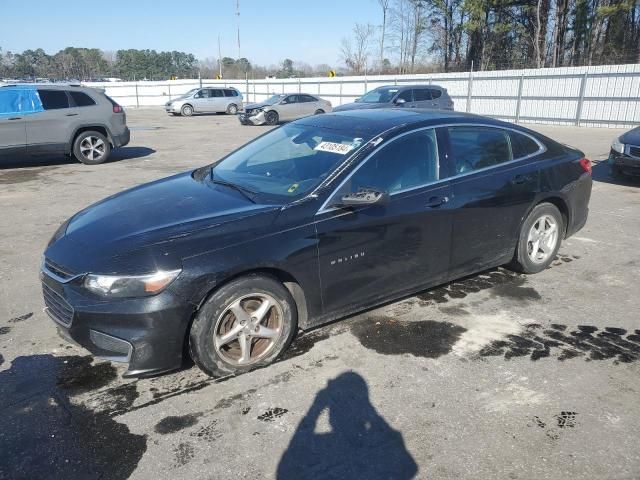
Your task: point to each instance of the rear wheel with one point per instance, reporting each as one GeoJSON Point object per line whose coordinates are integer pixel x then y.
{"type": "Point", "coordinates": [91, 148]}
{"type": "Point", "coordinates": [232, 109]}
{"type": "Point", "coordinates": [245, 324]}
{"type": "Point", "coordinates": [540, 238]}
{"type": "Point", "coordinates": [186, 111]}
{"type": "Point", "coordinates": [271, 118]}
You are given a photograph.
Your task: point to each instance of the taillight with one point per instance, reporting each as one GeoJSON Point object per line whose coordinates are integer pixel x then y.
{"type": "Point", "coordinates": [117, 108]}
{"type": "Point", "coordinates": [585, 163]}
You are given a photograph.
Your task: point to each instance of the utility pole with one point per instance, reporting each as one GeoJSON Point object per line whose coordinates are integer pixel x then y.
{"type": "Point", "coordinates": [238, 15]}
{"type": "Point", "coordinates": [219, 58]}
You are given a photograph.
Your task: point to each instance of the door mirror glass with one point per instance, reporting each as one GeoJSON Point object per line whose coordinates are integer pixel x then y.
{"type": "Point", "coordinates": [364, 197]}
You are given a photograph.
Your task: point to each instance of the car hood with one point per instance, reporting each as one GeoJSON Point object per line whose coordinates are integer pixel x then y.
{"type": "Point", "coordinates": [360, 106]}
{"type": "Point", "coordinates": [156, 225]}
{"type": "Point", "coordinates": [250, 106]}
{"type": "Point", "coordinates": [631, 137]}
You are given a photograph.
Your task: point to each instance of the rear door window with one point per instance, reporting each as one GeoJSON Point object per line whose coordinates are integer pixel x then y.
{"type": "Point", "coordinates": [81, 99]}
{"type": "Point", "coordinates": [522, 145]}
{"type": "Point", "coordinates": [53, 99]}
{"type": "Point", "coordinates": [435, 93]}
{"type": "Point", "coordinates": [306, 98]}
{"type": "Point", "coordinates": [216, 92]}
{"type": "Point", "coordinates": [475, 148]}
{"type": "Point", "coordinates": [421, 95]}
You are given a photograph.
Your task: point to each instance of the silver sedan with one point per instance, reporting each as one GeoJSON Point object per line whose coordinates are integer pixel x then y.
{"type": "Point", "coordinates": [283, 107]}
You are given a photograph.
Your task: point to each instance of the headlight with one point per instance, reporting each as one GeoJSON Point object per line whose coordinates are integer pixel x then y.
{"type": "Point", "coordinates": [255, 111]}
{"type": "Point", "coordinates": [617, 146]}
{"type": "Point", "coordinates": [130, 286]}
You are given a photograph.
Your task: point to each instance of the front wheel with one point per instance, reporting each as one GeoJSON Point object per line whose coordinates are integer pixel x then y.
{"type": "Point", "coordinates": [616, 172]}
{"type": "Point", "coordinates": [540, 238]}
{"type": "Point", "coordinates": [271, 118]}
{"type": "Point", "coordinates": [91, 148]}
{"type": "Point", "coordinates": [186, 111]}
{"type": "Point", "coordinates": [245, 324]}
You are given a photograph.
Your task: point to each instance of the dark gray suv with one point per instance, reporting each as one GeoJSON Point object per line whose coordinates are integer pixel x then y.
{"type": "Point", "coordinates": [407, 96]}
{"type": "Point", "coordinates": [51, 119]}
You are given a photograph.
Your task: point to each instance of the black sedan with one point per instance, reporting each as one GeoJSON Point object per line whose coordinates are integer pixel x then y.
{"type": "Point", "coordinates": [624, 158]}
{"type": "Point", "coordinates": [310, 222]}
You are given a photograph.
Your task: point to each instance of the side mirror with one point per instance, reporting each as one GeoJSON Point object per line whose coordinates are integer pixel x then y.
{"type": "Point", "coordinates": [364, 197]}
{"type": "Point", "coordinates": [400, 102]}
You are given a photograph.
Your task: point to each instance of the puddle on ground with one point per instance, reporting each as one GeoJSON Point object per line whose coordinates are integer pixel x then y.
{"type": "Point", "coordinates": [389, 336]}
{"type": "Point", "coordinates": [174, 424]}
{"type": "Point", "coordinates": [43, 431]}
{"type": "Point", "coordinates": [22, 175]}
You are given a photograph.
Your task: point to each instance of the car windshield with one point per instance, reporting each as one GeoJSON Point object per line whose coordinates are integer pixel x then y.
{"type": "Point", "coordinates": [379, 95]}
{"type": "Point", "coordinates": [189, 93]}
{"type": "Point", "coordinates": [287, 162]}
{"type": "Point", "coordinates": [274, 99]}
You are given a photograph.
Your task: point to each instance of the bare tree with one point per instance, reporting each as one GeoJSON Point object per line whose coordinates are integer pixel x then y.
{"type": "Point", "coordinates": [355, 52]}
{"type": "Point", "coordinates": [384, 5]}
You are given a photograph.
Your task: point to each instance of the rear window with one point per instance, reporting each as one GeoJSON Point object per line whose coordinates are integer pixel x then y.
{"type": "Point", "coordinates": [522, 145]}
{"type": "Point", "coordinates": [53, 99]}
{"type": "Point", "coordinates": [82, 99]}
{"type": "Point", "coordinates": [230, 93]}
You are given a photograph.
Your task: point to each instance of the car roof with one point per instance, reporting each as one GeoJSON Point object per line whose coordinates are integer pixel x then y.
{"type": "Point", "coordinates": [404, 87]}
{"type": "Point", "coordinates": [50, 86]}
{"type": "Point", "coordinates": [378, 120]}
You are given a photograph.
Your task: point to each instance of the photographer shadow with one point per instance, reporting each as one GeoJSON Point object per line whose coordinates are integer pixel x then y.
{"type": "Point", "coordinates": [359, 445]}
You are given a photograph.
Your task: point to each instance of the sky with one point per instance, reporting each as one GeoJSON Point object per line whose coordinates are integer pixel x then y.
{"type": "Point", "coordinates": [270, 30]}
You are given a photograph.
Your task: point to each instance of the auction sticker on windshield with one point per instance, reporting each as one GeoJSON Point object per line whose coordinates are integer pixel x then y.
{"type": "Point", "coordinates": [332, 147]}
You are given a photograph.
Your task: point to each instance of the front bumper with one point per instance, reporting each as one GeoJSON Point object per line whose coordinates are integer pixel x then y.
{"type": "Point", "coordinates": [246, 119]}
{"type": "Point", "coordinates": [147, 333]}
{"type": "Point", "coordinates": [123, 139]}
{"type": "Point", "coordinates": [627, 164]}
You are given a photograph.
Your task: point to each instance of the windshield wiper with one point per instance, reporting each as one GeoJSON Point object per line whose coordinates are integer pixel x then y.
{"type": "Point", "coordinates": [246, 192]}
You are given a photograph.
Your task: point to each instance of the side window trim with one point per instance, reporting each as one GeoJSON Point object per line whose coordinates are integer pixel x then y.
{"type": "Point", "coordinates": [448, 159]}
{"type": "Point", "coordinates": [325, 208]}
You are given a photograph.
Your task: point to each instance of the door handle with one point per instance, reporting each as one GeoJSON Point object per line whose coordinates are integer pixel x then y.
{"type": "Point", "coordinates": [435, 202]}
{"type": "Point", "coordinates": [71, 114]}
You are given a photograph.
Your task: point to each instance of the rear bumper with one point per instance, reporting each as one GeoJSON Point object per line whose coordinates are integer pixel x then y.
{"type": "Point", "coordinates": [147, 333]}
{"type": "Point", "coordinates": [625, 163]}
{"type": "Point", "coordinates": [122, 139]}
{"type": "Point", "coordinates": [578, 203]}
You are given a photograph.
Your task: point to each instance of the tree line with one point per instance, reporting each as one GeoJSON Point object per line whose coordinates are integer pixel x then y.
{"type": "Point", "coordinates": [88, 64]}
{"type": "Point", "coordinates": [451, 35]}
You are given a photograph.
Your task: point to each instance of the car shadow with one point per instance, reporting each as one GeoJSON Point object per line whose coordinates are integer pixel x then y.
{"type": "Point", "coordinates": [602, 173]}
{"type": "Point", "coordinates": [343, 436]}
{"type": "Point", "coordinates": [117, 155]}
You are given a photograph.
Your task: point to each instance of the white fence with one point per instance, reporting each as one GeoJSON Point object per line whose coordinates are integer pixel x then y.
{"type": "Point", "coordinates": [605, 96]}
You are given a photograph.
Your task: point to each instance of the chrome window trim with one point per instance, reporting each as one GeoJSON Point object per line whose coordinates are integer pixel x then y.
{"type": "Point", "coordinates": [541, 149]}
{"type": "Point", "coordinates": [57, 278]}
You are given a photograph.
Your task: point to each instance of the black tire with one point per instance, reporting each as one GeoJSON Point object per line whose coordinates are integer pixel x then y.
{"type": "Point", "coordinates": [186, 110]}
{"type": "Point", "coordinates": [91, 148]}
{"type": "Point", "coordinates": [214, 316]}
{"type": "Point", "coordinates": [319, 112]}
{"type": "Point", "coordinates": [271, 117]}
{"type": "Point", "coordinates": [522, 261]}
{"type": "Point", "coordinates": [232, 109]}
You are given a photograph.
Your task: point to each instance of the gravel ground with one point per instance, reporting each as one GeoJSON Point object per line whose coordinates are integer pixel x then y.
{"type": "Point", "coordinates": [495, 376]}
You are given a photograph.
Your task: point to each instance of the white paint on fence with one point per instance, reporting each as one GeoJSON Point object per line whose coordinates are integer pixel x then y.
{"type": "Point", "coordinates": [605, 96]}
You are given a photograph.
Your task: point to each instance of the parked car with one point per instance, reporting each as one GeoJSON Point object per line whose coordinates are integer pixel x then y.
{"type": "Point", "coordinates": [407, 96]}
{"type": "Point", "coordinates": [624, 158]}
{"type": "Point", "coordinates": [52, 119]}
{"type": "Point", "coordinates": [283, 107]}
{"type": "Point", "coordinates": [206, 100]}
{"type": "Point", "coordinates": [315, 220]}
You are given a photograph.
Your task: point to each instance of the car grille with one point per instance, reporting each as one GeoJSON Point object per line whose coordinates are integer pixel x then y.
{"type": "Point", "coordinates": [57, 307]}
{"type": "Point", "coordinates": [58, 270]}
{"type": "Point", "coordinates": [634, 151]}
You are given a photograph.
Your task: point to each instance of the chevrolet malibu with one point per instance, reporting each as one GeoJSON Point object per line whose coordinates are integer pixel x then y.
{"type": "Point", "coordinates": [310, 222]}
